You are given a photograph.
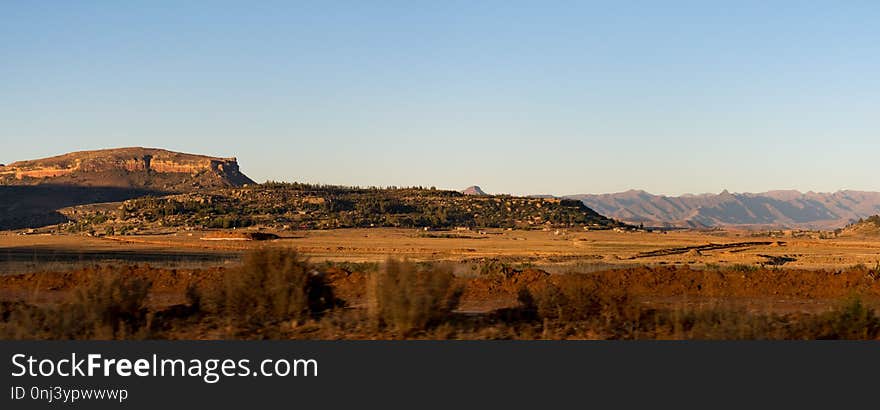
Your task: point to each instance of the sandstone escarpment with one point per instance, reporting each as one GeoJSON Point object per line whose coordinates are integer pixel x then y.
{"type": "Point", "coordinates": [31, 192]}
{"type": "Point", "coordinates": [127, 167]}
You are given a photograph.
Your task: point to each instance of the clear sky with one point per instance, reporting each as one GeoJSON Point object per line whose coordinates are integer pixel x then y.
{"type": "Point", "coordinates": [517, 97]}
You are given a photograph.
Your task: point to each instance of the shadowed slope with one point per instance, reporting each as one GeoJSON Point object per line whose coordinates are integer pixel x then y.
{"type": "Point", "coordinates": [32, 191]}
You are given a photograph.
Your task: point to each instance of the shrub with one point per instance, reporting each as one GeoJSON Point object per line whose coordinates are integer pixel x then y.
{"type": "Point", "coordinates": [851, 320]}
{"type": "Point", "coordinates": [109, 306]}
{"type": "Point", "coordinates": [272, 285]}
{"type": "Point", "coordinates": [743, 268]}
{"type": "Point", "coordinates": [354, 266]}
{"type": "Point", "coordinates": [115, 302]}
{"type": "Point", "coordinates": [716, 323]}
{"type": "Point", "coordinates": [495, 267]}
{"type": "Point", "coordinates": [409, 299]}
{"type": "Point", "coordinates": [859, 267]}
{"type": "Point", "coordinates": [575, 297]}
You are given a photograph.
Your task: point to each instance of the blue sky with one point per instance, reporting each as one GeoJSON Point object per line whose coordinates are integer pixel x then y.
{"type": "Point", "coordinates": [518, 97]}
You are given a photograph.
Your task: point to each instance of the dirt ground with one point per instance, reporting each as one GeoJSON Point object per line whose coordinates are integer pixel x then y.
{"type": "Point", "coordinates": [676, 270]}
{"type": "Point", "coordinates": [555, 250]}
{"type": "Point", "coordinates": [760, 290]}
{"type": "Point", "coordinates": [178, 256]}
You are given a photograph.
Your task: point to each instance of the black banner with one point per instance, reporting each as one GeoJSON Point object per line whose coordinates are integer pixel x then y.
{"type": "Point", "coordinates": [416, 374]}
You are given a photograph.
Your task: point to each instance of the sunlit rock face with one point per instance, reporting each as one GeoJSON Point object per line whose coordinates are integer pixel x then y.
{"type": "Point", "coordinates": [127, 167]}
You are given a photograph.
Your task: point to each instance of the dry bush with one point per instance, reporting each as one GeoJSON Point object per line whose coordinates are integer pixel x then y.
{"type": "Point", "coordinates": [577, 297]}
{"type": "Point", "coordinates": [116, 302]}
{"type": "Point", "coordinates": [743, 268]}
{"type": "Point", "coordinates": [108, 306]}
{"type": "Point", "coordinates": [272, 285]}
{"type": "Point", "coordinates": [409, 299]}
{"type": "Point", "coordinates": [850, 320]}
{"type": "Point", "coordinates": [576, 309]}
{"type": "Point", "coordinates": [716, 323]}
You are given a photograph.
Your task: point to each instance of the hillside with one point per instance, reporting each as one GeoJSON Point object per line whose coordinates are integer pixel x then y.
{"type": "Point", "coordinates": [775, 208]}
{"type": "Point", "coordinates": [32, 191]}
{"type": "Point", "coordinates": [301, 206]}
{"type": "Point", "coordinates": [131, 168]}
{"type": "Point", "coordinates": [473, 190]}
{"type": "Point", "coordinates": [869, 227]}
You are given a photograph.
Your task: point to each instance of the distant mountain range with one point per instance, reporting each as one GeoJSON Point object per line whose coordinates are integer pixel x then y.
{"type": "Point", "coordinates": [31, 193]}
{"type": "Point", "coordinates": [779, 209]}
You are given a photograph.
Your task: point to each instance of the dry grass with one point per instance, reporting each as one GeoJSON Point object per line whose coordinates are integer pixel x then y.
{"type": "Point", "coordinates": [571, 250]}
{"type": "Point", "coordinates": [577, 306]}
{"type": "Point", "coordinates": [271, 286]}
{"type": "Point", "coordinates": [852, 320]}
{"type": "Point", "coordinates": [276, 293]}
{"type": "Point", "coordinates": [410, 299]}
{"type": "Point", "coordinates": [574, 297]}
{"type": "Point", "coordinates": [110, 306]}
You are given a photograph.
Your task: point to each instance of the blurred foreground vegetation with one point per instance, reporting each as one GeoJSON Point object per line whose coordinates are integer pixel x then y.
{"type": "Point", "coordinates": [276, 294]}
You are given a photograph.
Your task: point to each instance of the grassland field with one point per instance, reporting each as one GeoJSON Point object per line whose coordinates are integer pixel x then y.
{"type": "Point", "coordinates": [552, 248]}
{"type": "Point", "coordinates": [750, 273]}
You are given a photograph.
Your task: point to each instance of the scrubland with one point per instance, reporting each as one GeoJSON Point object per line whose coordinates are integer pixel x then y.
{"type": "Point", "coordinates": [279, 293]}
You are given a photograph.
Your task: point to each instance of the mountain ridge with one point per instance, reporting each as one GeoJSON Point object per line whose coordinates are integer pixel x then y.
{"type": "Point", "coordinates": [129, 167]}
{"type": "Point", "coordinates": [32, 191]}
{"type": "Point", "coordinates": [777, 208]}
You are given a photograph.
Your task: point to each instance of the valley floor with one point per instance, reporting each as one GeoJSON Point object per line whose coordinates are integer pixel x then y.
{"type": "Point", "coordinates": [750, 286]}
{"type": "Point", "coordinates": [556, 250]}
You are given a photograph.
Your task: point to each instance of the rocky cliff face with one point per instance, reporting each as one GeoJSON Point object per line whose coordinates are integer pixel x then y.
{"type": "Point", "coordinates": [32, 191]}
{"type": "Point", "coordinates": [127, 168]}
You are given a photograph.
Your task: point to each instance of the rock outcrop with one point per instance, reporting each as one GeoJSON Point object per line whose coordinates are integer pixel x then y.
{"type": "Point", "coordinates": [32, 192]}
{"type": "Point", "coordinates": [128, 168]}
{"type": "Point", "coordinates": [473, 190]}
